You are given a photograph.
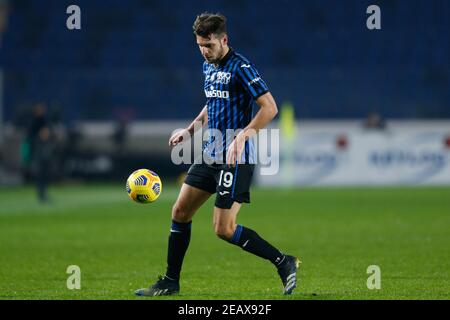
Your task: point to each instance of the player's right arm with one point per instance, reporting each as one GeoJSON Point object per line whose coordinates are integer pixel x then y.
{"type": "Point", "coordinates": [178, 136]}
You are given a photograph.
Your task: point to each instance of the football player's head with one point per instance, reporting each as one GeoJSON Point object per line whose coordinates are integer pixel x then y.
{"type": "Point", "coordinates": [210, 30]}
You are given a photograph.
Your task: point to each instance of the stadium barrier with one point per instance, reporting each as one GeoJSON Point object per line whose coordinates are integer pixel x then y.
{"type": "Point", "coordinates": [312, 153]}
{"type": "Point", "coordinates": [345, 153]}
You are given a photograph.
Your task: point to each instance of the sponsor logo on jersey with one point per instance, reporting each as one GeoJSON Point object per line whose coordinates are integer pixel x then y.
{"type": "Point", "coordinates": [254, 81]}
{"type": "Point", "coordinates": [212, 93]}
{"type": "Point", "coordinates": [219, 77]}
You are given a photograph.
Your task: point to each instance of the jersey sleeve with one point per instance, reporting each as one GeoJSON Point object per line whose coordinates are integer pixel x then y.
{"type": "Point", "coordinates": [251, 80]}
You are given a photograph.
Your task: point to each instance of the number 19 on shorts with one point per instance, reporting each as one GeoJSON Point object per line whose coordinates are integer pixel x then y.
{"type": "Point", "coordinates": [226, 178]}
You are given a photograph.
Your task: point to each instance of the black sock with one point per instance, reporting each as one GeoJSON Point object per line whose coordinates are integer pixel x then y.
{"type": "Point", "coordinates": [180, 235]}
{"type": "Point", "coordinates": [251, 242]}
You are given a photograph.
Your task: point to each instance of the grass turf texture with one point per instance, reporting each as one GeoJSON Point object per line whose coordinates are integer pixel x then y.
{"type": "Point", "coordinates": [121, 246]}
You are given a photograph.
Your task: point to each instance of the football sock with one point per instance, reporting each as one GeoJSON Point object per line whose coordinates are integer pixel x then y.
{"type": "Point", "coordinates": [251, 242]}
{"type": "Point", "coordinates": [180, 235]}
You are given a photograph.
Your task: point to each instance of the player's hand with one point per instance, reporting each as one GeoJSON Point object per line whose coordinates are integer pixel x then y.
{"type": "Point", "coordinates": [235, 149]}
{"type": "Point", "coordinates": [178, 137]}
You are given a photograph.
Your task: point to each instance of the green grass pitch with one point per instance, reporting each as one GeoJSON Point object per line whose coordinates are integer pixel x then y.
{"type": "Point", "coordinates": [121, 246]}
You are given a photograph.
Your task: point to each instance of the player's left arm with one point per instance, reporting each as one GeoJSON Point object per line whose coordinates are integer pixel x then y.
{"type": "Point", "coordinates": [267, 111]}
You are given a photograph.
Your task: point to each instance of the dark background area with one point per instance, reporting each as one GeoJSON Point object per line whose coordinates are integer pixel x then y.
{"type": "Point", "coordinates": [138, 59]}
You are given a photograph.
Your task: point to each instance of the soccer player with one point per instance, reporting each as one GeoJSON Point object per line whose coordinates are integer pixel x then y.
{"type": "Point", "coordinates": [232, 84]}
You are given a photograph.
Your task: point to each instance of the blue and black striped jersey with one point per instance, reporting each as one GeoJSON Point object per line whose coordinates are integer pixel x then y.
{"type": "Point", "coordinates": [231, 88]}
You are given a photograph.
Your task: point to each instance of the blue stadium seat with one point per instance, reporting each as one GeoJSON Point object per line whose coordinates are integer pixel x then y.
{"type": "Point", "coordinates": [316, 54]}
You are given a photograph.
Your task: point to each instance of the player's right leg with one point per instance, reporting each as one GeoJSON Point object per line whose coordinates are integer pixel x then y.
{"type": "Point", "coordinates": [190, 199]}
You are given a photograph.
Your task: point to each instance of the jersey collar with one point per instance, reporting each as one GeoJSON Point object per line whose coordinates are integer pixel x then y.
{"type": "Point", "coordinates": [226, 57]}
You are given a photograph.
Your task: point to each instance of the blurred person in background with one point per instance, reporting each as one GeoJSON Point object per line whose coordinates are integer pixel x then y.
{"type": "Point", "coordinates": [119, 136]}
{"type": "Point", "coordinates": [41, 150]}
{"type": "Point", "coordinates": [374, 121]}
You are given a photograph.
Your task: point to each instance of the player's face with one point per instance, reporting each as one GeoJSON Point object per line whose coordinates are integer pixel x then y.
{"type": "Point", "coordinates": [212, 48]}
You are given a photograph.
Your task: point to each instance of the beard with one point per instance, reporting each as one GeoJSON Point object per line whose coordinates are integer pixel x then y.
{"type": "Point", "coordinates": [219, 56]}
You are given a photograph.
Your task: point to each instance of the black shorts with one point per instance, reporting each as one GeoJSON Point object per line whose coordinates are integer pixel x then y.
{"type": "Point", "coordinates": [229, 183]}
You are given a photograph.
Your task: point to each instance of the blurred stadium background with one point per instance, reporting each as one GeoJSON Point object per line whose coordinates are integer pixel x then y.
{"type": "Point", "coordinates": [358, 108]}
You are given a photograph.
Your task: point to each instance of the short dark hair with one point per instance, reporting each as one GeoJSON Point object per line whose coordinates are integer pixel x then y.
{"type": "Point", "coordinates": [210, 23]}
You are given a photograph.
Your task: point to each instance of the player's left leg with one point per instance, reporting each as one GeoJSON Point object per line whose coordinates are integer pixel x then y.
{"type": "Point", "coordinates": [226, 228]}
{"type": "Point", "coordinates": [233, 188]}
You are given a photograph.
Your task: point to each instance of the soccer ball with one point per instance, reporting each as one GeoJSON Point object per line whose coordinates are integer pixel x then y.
{"type": "Point", "coordinates": [144, 186]}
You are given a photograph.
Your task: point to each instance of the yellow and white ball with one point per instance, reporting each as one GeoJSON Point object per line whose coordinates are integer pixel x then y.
{"type": "Point", "coordinates": [144, 186]}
